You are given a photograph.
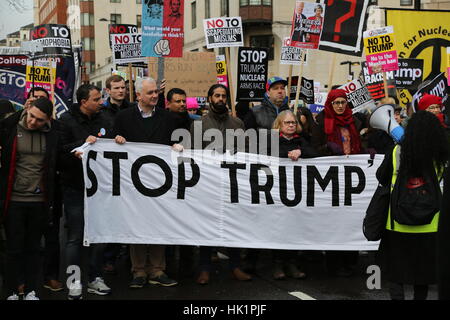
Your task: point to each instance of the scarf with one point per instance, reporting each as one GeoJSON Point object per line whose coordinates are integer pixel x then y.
{"type": "Point", "coordinates": [333, 121]}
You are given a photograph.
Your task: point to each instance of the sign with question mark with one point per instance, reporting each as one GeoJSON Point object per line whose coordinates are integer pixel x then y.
{"type": "Point", "coordinates": [343, 26]}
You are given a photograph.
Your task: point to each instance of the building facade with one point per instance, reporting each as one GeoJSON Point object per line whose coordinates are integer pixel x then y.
{"type": "Point", "coordinates": [266, 23]}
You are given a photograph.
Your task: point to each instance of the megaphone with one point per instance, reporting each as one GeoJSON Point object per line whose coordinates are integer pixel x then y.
{"type": "Point", "coordinates": [383, 118]}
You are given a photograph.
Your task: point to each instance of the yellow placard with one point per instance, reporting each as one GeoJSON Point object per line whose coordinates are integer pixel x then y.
{"type": "Point", "coordinates": [221, 66]}
{"type": "Point", "coordinates": [40, 74]}
{"type": "Point", "coordinates": [421, 35]}
{"type": "Point", "coordinates": [379, 44]}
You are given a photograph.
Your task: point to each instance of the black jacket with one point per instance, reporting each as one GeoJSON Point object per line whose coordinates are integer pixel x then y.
{"type": "Point", "coordinates": [113, 108]}
{"type": "Point", "coordinates": [76, 127]}
{"type": "Point", "coordinates": [8, 143]}
{"type": "Point", "coordinates": [263, 115]}
{"type": "Point", "coordinates": [181, 120]}
{"type": "Point", "coordinates": [130, 125]}
{"type": "Point", "coordinates": [297, 142]}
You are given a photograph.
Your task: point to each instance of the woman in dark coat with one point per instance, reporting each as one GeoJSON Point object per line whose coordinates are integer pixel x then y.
{"type": "Point", "coordinates": [337, 131]}
{"type": "Point", "coordinates": [408, 252]}
{"type": "Point", "coordinates": [292, 146]}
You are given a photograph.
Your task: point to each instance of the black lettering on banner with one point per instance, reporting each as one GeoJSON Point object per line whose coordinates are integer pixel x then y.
{"type": "Point", "coordinates": [115, 157]}
{"type": "Point", "coordinates": [314, 175]}
{"type": "Point", "coordinates": [234, 187]}
{"type": "Point", "coordinates": [91, 175]}
{"type": "Point", "coordinates": [349, 189]}
{"type": "Point", "coordinates": [182, 182]}
{"type": "Point", "coordinates": [137, 165]}
{"type": "Point", "coordinates": [297, 187]}
{"type": "Point", "coordinates": [256, 187]}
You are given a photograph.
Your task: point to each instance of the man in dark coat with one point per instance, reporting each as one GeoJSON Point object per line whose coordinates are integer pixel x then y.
{"type": "Point", "coordinates": [29, 141]}
{"type": "Point", "coordinates": [218, 118]}
{"type": "Point", "coordinates": [275, 100]}
{"type": "Point", "coordinates": [176, 103]}
{"type": "Point", "coordinates": [145, 122]}
{"type": "Point", "coordinates": [84, 122]}
{"type": "Point", "coordinates": [117, 100]}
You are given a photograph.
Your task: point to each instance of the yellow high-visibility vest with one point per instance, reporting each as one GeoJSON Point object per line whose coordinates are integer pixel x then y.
{"type": "Point", "coordinates": [432, 227]}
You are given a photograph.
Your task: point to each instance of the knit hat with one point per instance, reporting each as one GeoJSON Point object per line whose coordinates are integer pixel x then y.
{"type": "Point", "coordinates": [427, 100]}
{"type": "Point", "coordinates": [191, 103]}
{"type": "Point", "coordinates": [274, 80]}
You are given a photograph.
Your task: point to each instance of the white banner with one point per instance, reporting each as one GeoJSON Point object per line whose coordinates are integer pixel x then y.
{"type": "Point", "coordinates": [138, 193]}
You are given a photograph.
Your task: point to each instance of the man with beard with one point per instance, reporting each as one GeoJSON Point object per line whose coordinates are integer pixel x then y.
{"type": "Point", "coordinates": [219, 118]}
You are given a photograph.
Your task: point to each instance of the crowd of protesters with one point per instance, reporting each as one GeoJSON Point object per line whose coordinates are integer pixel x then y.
{"type": "Point", "coordinates": [41, 178]}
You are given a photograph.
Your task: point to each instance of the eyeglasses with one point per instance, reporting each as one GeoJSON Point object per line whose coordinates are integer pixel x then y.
{"type": "Point", "coordinates": [288, 123]}
{"type": "Point", "coordinates": [342, 102]}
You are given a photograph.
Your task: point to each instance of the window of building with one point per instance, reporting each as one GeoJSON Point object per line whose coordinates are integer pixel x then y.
{"type": "Point", "coordinates": [194, 14]}
{"type": "Point", "coordinates": [266, 41]}
{"type": "Point", "coordinates": [207, 9]}
{"type": "Point", "coordinates": [244, 3]}
{"type": "Point", "coordinates": [114, 1]}
{"type": "Point", "coordinates": [88, 43]}
{"type": "Point", "coordinates": [87, 19]}
{"type": "Point", "coordinates": [406, 2]}
{"type": "Point", "coordinates": [116, 18]}
{"type": "Point", "coordinates": [139, 1]}
{"type": "Point", "coordinates": [224, 8]}
{"type": "Point", "coordinates": [139, 21]}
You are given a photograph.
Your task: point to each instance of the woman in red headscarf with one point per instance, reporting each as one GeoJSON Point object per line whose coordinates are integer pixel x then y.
{"type": "Point", "coordinates": [337, 131]}
{"type": "Point", "coordinates": [432, 104]}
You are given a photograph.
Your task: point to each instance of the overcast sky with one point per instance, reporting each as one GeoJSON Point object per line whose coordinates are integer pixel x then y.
{"type": "Point", "coordinates": [14, 14]}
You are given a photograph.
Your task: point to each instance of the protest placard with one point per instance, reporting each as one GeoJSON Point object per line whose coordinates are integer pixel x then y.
{"type": "Point", "coordinates": [359, 96]}
{"type": "Point", "coordinates": [13, 81]}
{"type": "Point", "coordinates": [121, 29]}
{"type": "Point", "coordinates": [252, 73]}
{"type": "Point", "coordinates": [437, 87]}
{"type": "Point", "coordinates": [408, 76]}
{"type": "Point", "coordinates": [343, 26]}
{"type": "Point", "coordinates": [223, 32]}
{"type": "Point", "coordinates": [162, 28]}
{"type": "Point", "coordinates": [306, 90]}
{"type": "Point", "coordinates": [307, 23]}
{"type": "Point", "coordinates": [221, 67]}
{"type": "Point", "coordinates": [195, 72]}
{"type": "Point", "coordinates": [448, 66]}
{"type": "Point", "coordinates": [380, 50]}
{"type": "Point", "coordinates": [40, 73]}
{"type": "Point", "coordinates": [421, 34]}
{"type": "Point", "coordinates": [127, 48]}
{"type": "Point", "coordinates": [292, 55]}
{"type": "Point", "coordinates": [55, 39]}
